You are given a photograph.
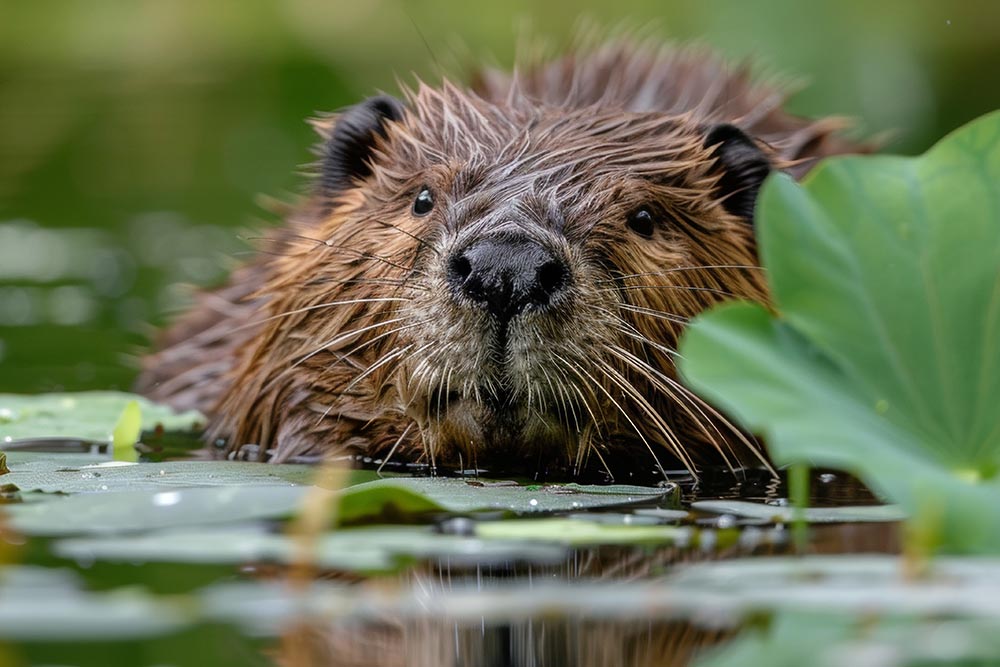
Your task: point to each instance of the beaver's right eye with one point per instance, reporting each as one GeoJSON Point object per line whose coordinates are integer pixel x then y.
{"type": "Point", "coordinates": [424, 202]}
{"type": "Point", "coordinates": [640, 221]}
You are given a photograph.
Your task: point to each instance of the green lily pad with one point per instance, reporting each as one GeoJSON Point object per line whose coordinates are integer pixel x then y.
{"type": "Point", "coordinates": [884, 360]}
{"type": "Point", "coordinates": [132, 511]}
{"type": "Point", "coordinates": [786, 514]}
{"type": "Point", "coordinates": [83, 473]}
{"type": "Point", "coordinates": [85, 415]}
{"type": "Point", "coordinates": [465, 496]}
{"type": "Point", "coordinates": [364, 550]}
{"type": "Point", "coordinates": [116, 497]}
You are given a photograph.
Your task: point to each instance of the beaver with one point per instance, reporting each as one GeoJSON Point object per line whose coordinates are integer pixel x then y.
{"type": "Point", "coordinates": [496, 275]}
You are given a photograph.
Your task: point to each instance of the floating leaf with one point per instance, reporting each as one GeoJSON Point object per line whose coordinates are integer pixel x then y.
{"type": "Point", "coordinates": [885, 360]}
{"type": "Point", "coordinates": [85, 415]}
{"type": "Point", "coordinates": [84, 473]}
{"type": "Point", "coordinates": [422, 494]}
{"type": "Point", "coordinates": [131, 511]}
{"type": "Point", "coordinates": [786, 514]}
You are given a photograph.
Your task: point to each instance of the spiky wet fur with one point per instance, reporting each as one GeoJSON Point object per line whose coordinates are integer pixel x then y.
{"type": "Point", "coordinates": [353, 341]}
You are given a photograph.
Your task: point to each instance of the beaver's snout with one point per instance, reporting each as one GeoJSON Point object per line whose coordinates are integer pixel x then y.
{"type": "Point", "coordinates": [508, 275]}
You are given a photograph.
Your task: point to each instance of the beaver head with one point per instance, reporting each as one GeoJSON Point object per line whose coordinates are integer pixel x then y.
{"type": "Point", "coordinates": [499, 276]}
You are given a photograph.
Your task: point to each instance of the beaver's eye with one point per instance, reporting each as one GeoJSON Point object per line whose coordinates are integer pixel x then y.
{"type": "Point", "coordinates": [640, 221]}
{"type": "Point", "coordinates": [424, 202]}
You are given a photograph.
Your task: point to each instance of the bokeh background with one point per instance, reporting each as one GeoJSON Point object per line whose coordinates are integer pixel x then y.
{"type": "Point", "coordinates": [136, 136]}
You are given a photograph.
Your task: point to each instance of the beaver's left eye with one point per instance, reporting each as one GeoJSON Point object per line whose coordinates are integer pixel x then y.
{"type": "Point", "coordinates": [640, 221]}
{"type": "Point", "coordinates": [424, 202]}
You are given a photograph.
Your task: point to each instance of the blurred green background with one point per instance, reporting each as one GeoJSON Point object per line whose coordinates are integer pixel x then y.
{"type": "Point", "coordinates": [136, 135]}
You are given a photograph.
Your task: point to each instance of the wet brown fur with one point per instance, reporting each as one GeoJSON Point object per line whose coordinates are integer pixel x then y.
{"type": "Point", "coordinates": [342, 336]}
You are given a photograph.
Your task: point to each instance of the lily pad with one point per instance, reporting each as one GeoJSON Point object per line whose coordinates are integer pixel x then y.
{"type": "Point", "coordinates": [786, 514]}
{"type": "Point", "coordinates": [132, 511]}
{"type": "Point", "coordinates": [363, 550]}
{"type": "Point", "coordinates": [884, 359]}
{"type": "Point", "coordinates": [85, 415]}
{"type": "Point", "coordinates": [117, 497]}
{"type": "Point", "coordinates": [83, 473]}
{"type": "Point", "coordinates": [465, 496]}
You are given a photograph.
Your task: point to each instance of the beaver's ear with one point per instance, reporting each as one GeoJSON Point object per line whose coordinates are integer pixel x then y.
{"type": "Point", "coordinates": [744, 167]}
{"type": "Point", "coordinates": [351, 139]}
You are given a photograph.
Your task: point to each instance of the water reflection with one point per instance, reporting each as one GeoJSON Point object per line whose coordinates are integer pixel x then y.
{"type": "Point", "coordinates": [590, 610]}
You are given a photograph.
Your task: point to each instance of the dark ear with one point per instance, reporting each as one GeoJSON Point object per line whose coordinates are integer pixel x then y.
{"type": "Point", "coordinates": [345, 156]}
{"type": "Point", "coordinates": [744, 167]}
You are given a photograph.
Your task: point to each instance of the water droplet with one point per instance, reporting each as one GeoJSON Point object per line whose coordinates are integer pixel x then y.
{"type": "Point", "coordinates": [533, 502]}
{"type": "Point", "coordinates": [726, 521]}
{"type": "Point", "coordinates": [827, 477]}
{"type": "Point", "coordinates": [166, 498]}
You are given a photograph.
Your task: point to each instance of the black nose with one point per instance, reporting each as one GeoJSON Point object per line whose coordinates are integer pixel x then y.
{"type": "Point", "coordinates": [508, 275]}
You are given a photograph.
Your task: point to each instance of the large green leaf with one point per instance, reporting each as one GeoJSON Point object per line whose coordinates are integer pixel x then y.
{"type": "Point", "coordinates": [885, 359]}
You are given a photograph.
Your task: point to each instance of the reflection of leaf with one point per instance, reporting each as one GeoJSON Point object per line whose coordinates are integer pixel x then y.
{"type": "Point", "coordinates": [87, 415]}
{"type": "Point", "coordinates": [885, 360]}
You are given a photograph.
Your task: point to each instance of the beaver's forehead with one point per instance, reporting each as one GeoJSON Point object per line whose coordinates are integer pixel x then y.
{"type": "Point", "coordinates": [449, 128]}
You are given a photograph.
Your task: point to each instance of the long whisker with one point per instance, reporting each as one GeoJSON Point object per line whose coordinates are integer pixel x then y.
{"type": "Point", "coordinates": [377, 338]}
{"type": "Point", "coordinates": [389, 282]}
{"type": "Point", "coordinates": [678, 269]}
{"type": "Point", "coordinates": [689, 288]}
{"type": "Point", "coordinates": [378, 471]}
{"type": "Point", "coordinates": [344, 336]}
{"type": "Point", "coordinates": [627, 417]}
{"type": "Point", "coordinates": [629, 390]}
{"type": "Point", "coordinates": [416, 238]}
{"type": "Point", "coordinates": [330, 245]}
{"type": "Point", "coordinates": [658, 314]}
{"type": "Point", "coordinates": [657, 379]}
{"type": "Point", "coordinates": [586, 405]}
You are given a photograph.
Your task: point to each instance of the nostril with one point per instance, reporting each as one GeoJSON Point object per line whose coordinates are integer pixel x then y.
{"type": "Point", "coordinates": [552, 276]}
{"type": "Point", "coordinates": [461, 268]}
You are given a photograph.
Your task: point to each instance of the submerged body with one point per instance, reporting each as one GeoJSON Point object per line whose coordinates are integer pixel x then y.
{"type": "Point", "coordinates": [497, 276]}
